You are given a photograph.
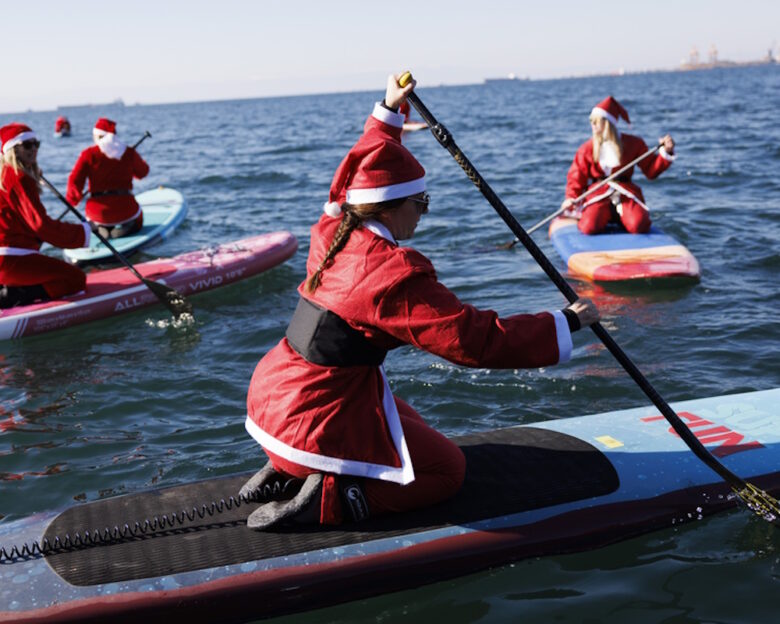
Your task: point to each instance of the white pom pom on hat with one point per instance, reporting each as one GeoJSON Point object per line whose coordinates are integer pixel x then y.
{"type": "Point", "coordinates": [332, 209]}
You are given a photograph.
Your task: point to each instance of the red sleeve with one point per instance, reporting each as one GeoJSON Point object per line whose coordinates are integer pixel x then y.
{"type": "Point", "coordinates": [577, 178]}
{"type": "Point", "coordinates": [77, 179]}
{"type": "Point", "coordinates": [419, 310]}
{"type": "Point", "coordinates": [46, 229]}
{"type": "Point", "coordinates": [652, 166]}
{"type": "Point", "coordinates": [140, 168]}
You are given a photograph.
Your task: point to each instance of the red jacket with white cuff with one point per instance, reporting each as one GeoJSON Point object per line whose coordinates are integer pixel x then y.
{"type": "Point", "coordinates": [585, 172]}
{"type": "Point", "coordinates": [336, 419]}
{"type": "Point", "coordinates": [107, 175]}
{"type": "Point", "coordinates": [343, 419]}
{"type": "Point", "coordinates": [24, 224]}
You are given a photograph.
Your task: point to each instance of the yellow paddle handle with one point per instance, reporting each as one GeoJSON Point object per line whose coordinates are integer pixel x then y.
{"type": "Point", "coordinates": [405, 79]}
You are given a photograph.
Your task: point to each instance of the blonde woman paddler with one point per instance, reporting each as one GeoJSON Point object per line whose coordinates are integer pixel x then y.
{"type": "Point", "coordinates": [26, 275]}
{"type": "Point", "coordinates": [609, 150]}
{"type": "Point", "coordinates": [319, 402]}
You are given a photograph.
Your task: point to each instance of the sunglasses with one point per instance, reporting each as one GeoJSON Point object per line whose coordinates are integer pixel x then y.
{"type": "Point", "coordinates": [31, 144]}
{"type": "Point", "coordinates": [425, 200]}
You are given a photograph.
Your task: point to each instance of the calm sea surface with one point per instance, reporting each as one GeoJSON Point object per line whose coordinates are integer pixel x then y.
{"type": "Point", "coordinates": [129, 403]}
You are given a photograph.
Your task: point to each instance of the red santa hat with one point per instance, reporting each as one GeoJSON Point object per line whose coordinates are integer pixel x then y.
{"type": "Point", "coordinates": [610, 109]}
{"type": "Point", "coordinates": [14, 134]}
{"type": "Point", "coordinates": [105, 125]}
{"type": "Point", "coordinates": [376, 169]}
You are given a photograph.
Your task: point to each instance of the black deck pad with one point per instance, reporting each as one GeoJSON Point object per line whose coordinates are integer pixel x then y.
{"type": "Point", "coordinates": [508, 471]}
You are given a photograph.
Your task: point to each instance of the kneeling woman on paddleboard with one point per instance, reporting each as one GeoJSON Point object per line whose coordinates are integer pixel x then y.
{"type": "Point", "coordinates": [110, 167]}
{"type": "Point", "coordinates": [607, 150]}
{"type": "Point", "coordinates": [319, 402]}
{"type": "Point", "coordinates": [25, 274]}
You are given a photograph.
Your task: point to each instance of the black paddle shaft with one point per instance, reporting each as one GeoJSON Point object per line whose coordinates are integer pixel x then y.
{"type": "Point", "coordinates": [445, 138]}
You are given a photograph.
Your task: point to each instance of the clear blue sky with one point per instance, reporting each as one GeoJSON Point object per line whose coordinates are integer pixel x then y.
{"type": "Point", "coordinates": [148, 51]}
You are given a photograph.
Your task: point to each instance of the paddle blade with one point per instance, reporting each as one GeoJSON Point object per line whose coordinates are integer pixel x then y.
{"type": "Point", "coordinates": [508, 245]}
{"type": "Point", "coordinates": [170, 298]}
{"type": "Point", "coordinates": [760, 502]}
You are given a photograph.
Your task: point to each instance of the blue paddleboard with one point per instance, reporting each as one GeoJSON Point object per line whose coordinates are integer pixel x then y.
{"type": "Point", "coordinates": [554, 487]}
{"type": "Point", "coordinates": [164, 209]}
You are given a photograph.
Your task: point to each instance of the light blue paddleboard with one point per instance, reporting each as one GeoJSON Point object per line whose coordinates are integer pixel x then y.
{"type": "Point", "coordinates": [164, 209]}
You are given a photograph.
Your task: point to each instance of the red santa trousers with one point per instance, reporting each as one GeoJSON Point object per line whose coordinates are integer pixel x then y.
{"type": "Point", "coordinates": [439, 470]}
{"type": "Point", "coordinates": [595, 217]}
{"type": "Point", "coordinates": [58, 278]}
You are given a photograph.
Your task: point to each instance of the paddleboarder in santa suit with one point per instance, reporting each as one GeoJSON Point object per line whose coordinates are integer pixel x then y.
{"type": "Point", "coordinates": [26, 275]}
{"type": "Point", "coordinates": [608, 150]}
{"type": "Point", "coordinates": [319, 402]}
{"type": "Point", "coordinates": [110, 167]}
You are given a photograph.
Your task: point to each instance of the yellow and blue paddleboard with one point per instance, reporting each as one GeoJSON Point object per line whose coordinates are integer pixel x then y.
{"type": "Point", "coordinates": [619, 256]}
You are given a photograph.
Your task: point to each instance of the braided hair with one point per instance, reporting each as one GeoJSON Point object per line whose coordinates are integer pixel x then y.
{"type": "Point", "coordinates": [353, 216]}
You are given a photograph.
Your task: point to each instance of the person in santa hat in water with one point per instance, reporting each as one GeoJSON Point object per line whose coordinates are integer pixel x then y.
{"type": "Point", "coordinates": [62, 127]}
{"type": "Point", "coordinates": [319, 402]}
{"type": "Point", "coordinates": [110, 167]}
{"type": "Point", "coordinates": [606, 151]}
{"type": "Point", "coordinates": [26, 275]}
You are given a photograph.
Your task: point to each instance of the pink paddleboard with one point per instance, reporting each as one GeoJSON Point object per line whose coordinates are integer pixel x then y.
{"type": "Point", "coordinates": [115, 291]}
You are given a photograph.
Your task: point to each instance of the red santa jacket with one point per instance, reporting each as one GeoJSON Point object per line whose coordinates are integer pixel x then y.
{"type": "Point", "coordinates": [107, 175]}
{"type": "Point", "coordinates": [584, 171]}
{"type": "Point", "coordinates": [338, 420]}
{"type": "Point", "coordinates": [24, 224]}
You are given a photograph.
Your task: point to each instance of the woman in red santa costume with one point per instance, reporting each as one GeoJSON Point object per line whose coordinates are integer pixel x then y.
{"type": "Point", "coordinates": [25, 274]}
{"type": "Point", "coordinates": [110, 167]}
{"type": "Point", "coordinates": [319, 402]}
{"type": "Point", "coordinates": [606, 151]}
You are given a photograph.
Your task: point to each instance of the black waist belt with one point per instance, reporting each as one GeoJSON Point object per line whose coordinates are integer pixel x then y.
{"type": "Point", "coordinates": [618, 179]}
{"type": "Point", "coordinates": [323, 337]}
{"type": "Point", "coordinates": [109, 193]}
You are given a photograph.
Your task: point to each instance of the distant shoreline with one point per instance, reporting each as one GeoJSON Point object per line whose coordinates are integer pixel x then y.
{"type": "Point", "coordinates": [118, 103]}
{"type": "Point", "coordinates": [687, 66]}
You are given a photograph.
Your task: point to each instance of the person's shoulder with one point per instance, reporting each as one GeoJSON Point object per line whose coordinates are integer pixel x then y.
{"type": "Point", "coordinates": [24, 182]}
{"type": "Point", "coordinates": [413, 261]}
{"type": "Point", "coordinates": [90, 153]}
{"type": "Point", "coordinates": [631, 139]}
{"type": "Point", "coordinates": [586, 147]}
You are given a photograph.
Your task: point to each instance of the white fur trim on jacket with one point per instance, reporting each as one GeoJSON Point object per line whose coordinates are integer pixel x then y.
{"type": "Point", "coordinates": [385, 115]}
{"type": "Point", "coordinates": [666, 155]}
{"type": "Point", "coordinates": [87, 234]}
{"type": "Point", "coordinates": [563, 335]}
{"type": "Point", "coordinates": [627, 193]}
{"type": "Point", "coordinates": [19, 138]}
{"type": "Point", "coordinates": [128, 220]}
{"type": "Point", "coordinates": [386, 193]}
{"type": "Point", "coordinates": [336, 465]}
{"type": "Point", "coordinates": [16, 251]}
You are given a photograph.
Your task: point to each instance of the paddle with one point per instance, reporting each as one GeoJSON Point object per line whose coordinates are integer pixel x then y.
{"type": "Point", "coordinates": [577, 200]}
{"type": "Point", "coordinates": [136, 144]}
{"type": "Point", "coordinates": [171, 298]}
{"type": "Point", "coordinates": [757, 500]}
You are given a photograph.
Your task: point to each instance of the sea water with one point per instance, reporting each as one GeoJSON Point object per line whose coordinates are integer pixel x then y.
{"type": "Point", "coordinates": [136, 402]}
